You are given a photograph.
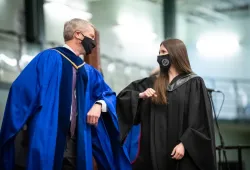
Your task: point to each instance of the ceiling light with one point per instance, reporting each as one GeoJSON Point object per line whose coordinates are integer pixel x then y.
{"type": "Point", "coordinates": [218, 44]}
{"type": "Point", "coordinates": [111, 67]}
{"type": "Point", "coordinates": [64, 12]}
{"type": "Point", "coordinates": [10, 61]}
{"type": "Point", "coordinates": [134, 29]}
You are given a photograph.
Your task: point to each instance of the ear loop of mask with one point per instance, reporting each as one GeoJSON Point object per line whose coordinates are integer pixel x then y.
{"type": "Point", "coordinates": [80, 33]}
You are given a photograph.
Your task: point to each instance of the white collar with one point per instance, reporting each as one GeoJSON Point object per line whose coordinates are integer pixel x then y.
{"type": "Point", "coordinates": [68, 47]}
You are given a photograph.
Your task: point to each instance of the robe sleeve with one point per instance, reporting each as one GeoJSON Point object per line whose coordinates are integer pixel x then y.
{"type": "Point", "coordinates": [99, 85]}
{"type": "Point", "coordinates": [128, 106]}
{"type": "Point", "coordinates": [198, 139]}
{"type": "Point", "coordinates": [26, 100]}
{"type": "Point", "coordinates": [105, 138]}
{"type": "Point", "coordinates": [101, 90]}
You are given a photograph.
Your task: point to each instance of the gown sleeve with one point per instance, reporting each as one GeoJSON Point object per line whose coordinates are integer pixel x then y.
{"type": "Point", "coordinates": [107, 150]}
{"type": "Point", "coordinates": [101, 91]}
{"type": "Point", "coordinates": [128, 106]}
{"type": "Point", "coordinates": [32, 99]}
{"type": "Point", "coordinates": [198, 139]}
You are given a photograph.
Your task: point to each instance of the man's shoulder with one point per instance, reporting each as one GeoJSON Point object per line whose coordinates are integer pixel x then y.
{"type": "Point", "coordinates": [45, 55]}
{"type": "Point", "coordinates": [92, 71]}
{"type": "Point", "coordinates": [90, 68]}
{"type": "Point", "coordinates": [49, 51]}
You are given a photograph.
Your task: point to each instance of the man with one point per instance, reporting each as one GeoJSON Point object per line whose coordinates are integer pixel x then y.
{"type": "Point", "coordinates": [58, 100]}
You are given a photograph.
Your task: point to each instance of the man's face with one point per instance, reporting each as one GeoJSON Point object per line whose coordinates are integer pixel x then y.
{"type": "Point", "coordinates": [81, 34]}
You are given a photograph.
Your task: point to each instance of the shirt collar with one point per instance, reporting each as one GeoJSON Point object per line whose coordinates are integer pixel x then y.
{"type": "Point", "coordinates": [69, 48]}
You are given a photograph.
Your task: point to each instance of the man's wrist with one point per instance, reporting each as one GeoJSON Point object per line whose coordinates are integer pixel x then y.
{"type": "Point", "coordinates": [98, 103]}
{"type": "Point", "coordinates": [102, 104]}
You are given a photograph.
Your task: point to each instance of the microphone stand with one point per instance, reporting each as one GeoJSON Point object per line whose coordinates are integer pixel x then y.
{"type": "Point", "coordinates": [222, 143]}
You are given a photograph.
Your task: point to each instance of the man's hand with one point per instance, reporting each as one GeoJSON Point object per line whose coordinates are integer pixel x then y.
{"type": "Point", "coordinates": [148, 93]}
{"type": "Point", "coordinates": [94, 114]}
{"type": "Point", "coordinates": [178, 152]}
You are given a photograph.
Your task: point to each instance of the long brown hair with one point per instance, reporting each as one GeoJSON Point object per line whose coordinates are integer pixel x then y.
{"type": "Point", "coordinates": [179, 57]}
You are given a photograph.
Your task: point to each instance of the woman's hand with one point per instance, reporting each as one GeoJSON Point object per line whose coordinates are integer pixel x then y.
{"type": "Point", "coordinates": [148, 93]}
{"type": "Point", "coordinates": [178, 152]}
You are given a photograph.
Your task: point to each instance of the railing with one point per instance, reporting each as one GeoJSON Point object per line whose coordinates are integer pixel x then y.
{"type": "Point", "coordinates": [239, 149]}
{"type": "Point", "coordinates": [237, 97]}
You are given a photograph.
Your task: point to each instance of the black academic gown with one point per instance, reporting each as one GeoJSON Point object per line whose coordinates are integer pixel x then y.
{"type": "Point", "coordinates": [187, 118]}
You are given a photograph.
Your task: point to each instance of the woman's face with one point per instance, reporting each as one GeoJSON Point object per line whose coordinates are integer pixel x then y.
{"type": "Point", "coordinates": [163, 50]}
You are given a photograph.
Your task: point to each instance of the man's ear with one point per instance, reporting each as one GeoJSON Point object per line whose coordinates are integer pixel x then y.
{"type": "Point", "coordinates": [77, 35]}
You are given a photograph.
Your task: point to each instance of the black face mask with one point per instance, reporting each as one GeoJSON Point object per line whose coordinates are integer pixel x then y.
{"type": "Point", "coordinates": [88, 44]}
{"type": "Point", "coordinates": [164, 62]}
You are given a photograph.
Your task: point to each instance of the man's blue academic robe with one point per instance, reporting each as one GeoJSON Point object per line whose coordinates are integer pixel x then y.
{"type": "Point", "coordinates": [41, 98]}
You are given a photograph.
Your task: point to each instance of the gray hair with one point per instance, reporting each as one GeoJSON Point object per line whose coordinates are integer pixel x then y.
{"type": "Point", "coordinates": [73, 25]}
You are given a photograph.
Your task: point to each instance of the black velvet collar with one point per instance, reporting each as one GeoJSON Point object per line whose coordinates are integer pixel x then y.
{"type": "Point", "coordinates": [77, 60]}
{"type": "Point", "coordinates": [180, 80]}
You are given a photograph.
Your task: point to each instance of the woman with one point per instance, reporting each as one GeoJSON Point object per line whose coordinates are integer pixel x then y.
{"type": "Point", "coordinates": [174, 111]}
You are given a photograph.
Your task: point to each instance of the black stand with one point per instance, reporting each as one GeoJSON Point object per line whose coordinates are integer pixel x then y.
{"type": "Point", "coordinates": [222, 148]}
{"type": "Point", "coordinates": [222, 143]}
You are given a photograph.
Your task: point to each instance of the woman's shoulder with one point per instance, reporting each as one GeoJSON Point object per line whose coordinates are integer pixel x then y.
{"type": "Point", "coordinates": [196, 78]}
{"type": "Point", "coordinates": [146, 80]}
{"type": "Point", "coordinates": [197, 81]}
{"type": "Point", "coordinates": [142, 84]}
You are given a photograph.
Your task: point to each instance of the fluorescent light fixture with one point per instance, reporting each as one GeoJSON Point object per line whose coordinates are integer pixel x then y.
{"type": "Point", "coordinates": [111, 67]}
{"type": "Point", "coordinates": [134, 29]}
{"type": "Point", "coordinates": [59, 1]}
{"type": "Point", "coordinates": [65, 12]}
{"type": "Point", "coordinates": [131, 33]}
{"type": "Point", "coordinates": [10, 61]}
{"type": "Point", "coordinates": [218, 44]}
{"type": "Point", "coordinates": [126, 18]}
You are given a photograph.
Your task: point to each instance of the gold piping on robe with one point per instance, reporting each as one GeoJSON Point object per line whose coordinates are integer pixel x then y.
{"type": "Point", "coordinates": [74, 65]}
